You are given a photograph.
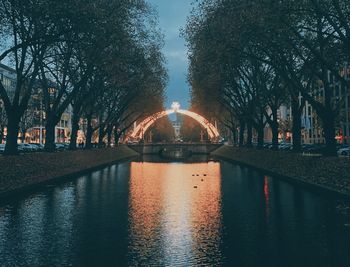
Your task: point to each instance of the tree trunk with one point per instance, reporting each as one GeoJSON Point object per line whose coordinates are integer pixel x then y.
{"type": "Point", "coordinates": [329, 134]}
{"type": "Point", "coordinates": [12, 135]}
{"type": "Point", "coordinates": [234, 136]}
{"type": "Point", "coordinates": [116, 135]}
{"type": "Point", "coordinates": [284, 136]}
{"type": "Point", "coordinates": [249, 134]}
{"type": "Point", "coordinates": [1, 133]}
{"type": "Point", "coordinates": [101, 135]}
{"type": "Point", "coordinates": [89, 132]}
{"type": "Point", "coordinates": [23, 137]}
{"type": "Point", "coordinates": [260, 131]}
{"type": "Point", "coordinates": [50, 136]}
{"type": "Point", "coordinates": [109, 136]}
{"type": "Point", "coordinates": [75, 129]}
{"type": "Point", "coordinates": [296, 127]}
{"type": "Point", "coordinates": [274, 129]}
{"type": "Point", "coordinates": [241, 133]}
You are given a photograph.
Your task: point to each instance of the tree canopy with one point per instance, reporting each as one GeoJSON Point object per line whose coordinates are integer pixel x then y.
{"type": "Point", "coordinates": [103, 58]}
{"type": "Point", "coordinates": [254, 56]}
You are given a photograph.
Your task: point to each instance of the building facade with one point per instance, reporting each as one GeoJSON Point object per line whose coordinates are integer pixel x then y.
{"type": "Point", "coordinates": [36, 129]}
{"type": "Point", "coordinates": [312, 132]}
{"type": "Point", "coordinates": [284, 119]}
{"type": "Point", "coordinates": [8, 80]}
{"type": "Point", "coordinates": [32, 126]}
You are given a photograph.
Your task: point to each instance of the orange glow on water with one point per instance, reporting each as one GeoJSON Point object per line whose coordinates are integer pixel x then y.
{"type": "Point", "coordinates": [267, 195]}
{"type": "Point", "coordinates": [182, 209]}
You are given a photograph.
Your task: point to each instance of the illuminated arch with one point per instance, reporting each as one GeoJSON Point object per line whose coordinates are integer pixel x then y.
{"type": "Point", "coordinates": [149, 121]}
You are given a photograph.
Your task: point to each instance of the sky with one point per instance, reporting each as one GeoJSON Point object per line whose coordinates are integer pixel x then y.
{"type": "Point", "coordinates": [172, 17]}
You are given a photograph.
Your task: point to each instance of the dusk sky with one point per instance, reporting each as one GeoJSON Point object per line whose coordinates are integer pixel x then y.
{"type": "Point", "coordinates": [172, 17]}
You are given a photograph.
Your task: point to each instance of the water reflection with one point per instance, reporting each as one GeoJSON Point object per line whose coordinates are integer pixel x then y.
{"type": "Point", "coordinates": [175, 213]}
{"type": "Point", "coordinates": [269, 222]}
{"type": "Point", "coordinates": [267, 197]}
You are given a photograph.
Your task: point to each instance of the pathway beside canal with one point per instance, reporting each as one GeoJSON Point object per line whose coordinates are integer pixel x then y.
{"type": "Point", "coordinates": [25, 171]}
{"type": "Point", "coordinates": [332, 174]}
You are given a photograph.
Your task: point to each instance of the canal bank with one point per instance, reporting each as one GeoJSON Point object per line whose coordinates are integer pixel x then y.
{"type": "Point", "coordinates": [29, 171]}
{"type": "Point", "coordinates": [326, 174]}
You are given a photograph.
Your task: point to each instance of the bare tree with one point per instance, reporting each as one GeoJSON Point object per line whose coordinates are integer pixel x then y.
{"type": "Point", "coordinates": [27, 28]}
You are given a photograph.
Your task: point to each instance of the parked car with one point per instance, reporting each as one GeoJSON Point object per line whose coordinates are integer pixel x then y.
{"type": "Point", "coordinates": [267, 145]}
{"type": "Point", "coordinates": [133, 142]}
{"type": "Point", "coordinates": [344, 151]}
{"type": "Point", "coordinates": [310, 148]}
{"type": "Point", "coordinates": [61, 146]}
{"type": "Point", "coordinates": [285, 146]}
{"type": "Point", "coordinates": [2, 148]}
{"type": "Point", "coordinates": [340, 146]}
{"type": "Point", "coordinates": [26, 148]}
{"type": "Point", "coordinates": [314, 148]}
{"type": "Point", "coordinates": [37, 146]}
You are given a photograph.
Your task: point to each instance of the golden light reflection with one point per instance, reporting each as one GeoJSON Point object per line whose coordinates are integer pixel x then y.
{"type": "Point", "coordinates": [175, 208]}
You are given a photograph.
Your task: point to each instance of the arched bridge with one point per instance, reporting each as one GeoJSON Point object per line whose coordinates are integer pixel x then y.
{"type": "Point", "coordinates": [140, 130]}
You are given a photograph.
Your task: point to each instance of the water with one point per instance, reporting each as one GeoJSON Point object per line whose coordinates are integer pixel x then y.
{"type": "Point", "coordinates": [163, 214]}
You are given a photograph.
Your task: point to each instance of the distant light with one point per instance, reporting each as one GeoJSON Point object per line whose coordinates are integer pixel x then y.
{"type": "Point", "coordinates": [175, 106]}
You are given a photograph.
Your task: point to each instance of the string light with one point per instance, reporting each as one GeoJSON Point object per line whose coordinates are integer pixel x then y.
{"type": "Point", "coordinates": [149, 121]}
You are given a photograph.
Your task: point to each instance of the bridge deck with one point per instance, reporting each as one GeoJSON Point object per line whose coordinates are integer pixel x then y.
{"type": "Point", "coordinates": [156, 148]}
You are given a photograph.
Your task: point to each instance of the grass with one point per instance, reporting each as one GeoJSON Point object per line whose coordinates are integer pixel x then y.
{"type": "Point", "coordinates": [330, 173]}
{"type": "Point", "coordinates": [19, 172]}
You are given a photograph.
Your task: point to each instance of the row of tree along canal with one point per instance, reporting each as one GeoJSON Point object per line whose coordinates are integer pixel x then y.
{"type": "Point", "coordinates": [249, 58]}
{"type": "Point", "coordinates": [104, 61]}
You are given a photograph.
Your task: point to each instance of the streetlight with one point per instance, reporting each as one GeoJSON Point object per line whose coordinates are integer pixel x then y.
{"type": "Point", "coordinates": [41, 122]}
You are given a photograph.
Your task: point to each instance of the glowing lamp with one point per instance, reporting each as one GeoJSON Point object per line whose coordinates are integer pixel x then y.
{"type": "Point", "coordinates": [175, 106]}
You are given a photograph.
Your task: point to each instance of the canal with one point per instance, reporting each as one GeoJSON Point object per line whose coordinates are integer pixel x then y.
{"type": "Point", "coordinates": [149, 213]}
